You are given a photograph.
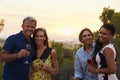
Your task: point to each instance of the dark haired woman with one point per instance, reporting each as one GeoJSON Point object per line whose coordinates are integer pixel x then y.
{"type": "Point", "coordinates": [45, 62]}
{"type": "Point", "coordinates": [105, 54]}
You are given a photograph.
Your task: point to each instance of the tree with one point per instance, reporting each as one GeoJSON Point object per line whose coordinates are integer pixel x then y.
{"type": "Point", "coordinates": [65, 60]}
{"type": "Point", "coordinates": [95, 34]}
{"type": "Point", "coordinates": [116, 21]}
{"type": "Point", "coordinates": [58, 46]}
{"type": "Point", "coordinates": [106, 15]}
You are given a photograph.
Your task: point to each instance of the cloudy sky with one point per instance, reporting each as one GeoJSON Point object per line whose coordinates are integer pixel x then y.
{"type": "Point", "coordinates": [63, 19]}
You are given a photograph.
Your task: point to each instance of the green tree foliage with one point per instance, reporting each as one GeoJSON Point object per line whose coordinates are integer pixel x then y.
{"type": "Point", "coordinates": [65, 59]}
{"type": "Point", "coordinates": [95, 34]}
{"type": "Point", "coordinates": [116, 21]}
{"type": "Point", "coordinates": [1, 66]}
{"type": "Point", "coordinates": [58, 46]}
{"type": "Point", "coordinates": [117, 46]}
{"type": "Point", "coordinates": [106, 15]}
{"type": "Point", "coordinates": [67, 69]}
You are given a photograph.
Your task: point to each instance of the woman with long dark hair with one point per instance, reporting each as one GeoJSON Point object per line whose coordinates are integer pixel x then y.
{"type": "Point", "coordinates": [105, 54]}
{"type": "Point", "coordinates": [44, 62]}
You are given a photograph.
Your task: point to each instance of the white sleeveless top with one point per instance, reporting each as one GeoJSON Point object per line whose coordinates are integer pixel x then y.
{"type": "Point", "coordinates": [100, 59]}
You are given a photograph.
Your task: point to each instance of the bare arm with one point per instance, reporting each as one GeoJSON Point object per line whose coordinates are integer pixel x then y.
{"type": "Point", "coordinates": [54, 62]}
{"type": "Point", "coordinates": [54, 68]}
{"type": "Point", "coordinates": [111, 66]}
{"type": "Point", "coordinates": [5, 56]}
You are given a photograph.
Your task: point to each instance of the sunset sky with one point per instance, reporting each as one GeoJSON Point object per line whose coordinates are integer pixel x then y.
{"type": "Point", "coordinates": [63, 19]}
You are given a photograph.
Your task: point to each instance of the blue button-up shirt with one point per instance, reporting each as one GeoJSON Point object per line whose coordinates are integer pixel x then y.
{"type": "Point", "coordinates": [80, 65]}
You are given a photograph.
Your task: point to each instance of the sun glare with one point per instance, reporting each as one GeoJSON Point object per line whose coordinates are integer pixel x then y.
{"type": "Point", "coordinates": [69, 30]}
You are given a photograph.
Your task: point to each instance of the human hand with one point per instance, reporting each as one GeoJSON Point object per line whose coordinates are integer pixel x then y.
{"type": "Point", "coordinates": [44, 66]}
{"type": "Point", "coordinates": [23, 53]}
{"type": "Point", "coordinates": [91, 68]}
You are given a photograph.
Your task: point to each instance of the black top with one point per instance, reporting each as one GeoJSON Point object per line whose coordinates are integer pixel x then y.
{"type": "Point", "coordinates": [45, 54]}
